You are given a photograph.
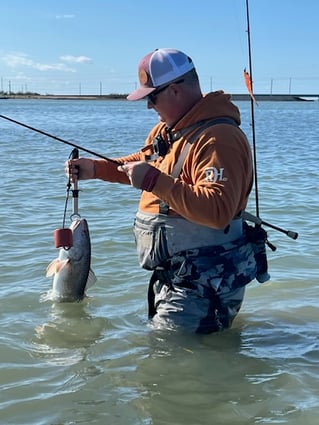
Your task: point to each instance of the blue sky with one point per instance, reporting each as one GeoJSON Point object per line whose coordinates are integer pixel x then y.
{"type": "Point", "coordinates": [94, 46]}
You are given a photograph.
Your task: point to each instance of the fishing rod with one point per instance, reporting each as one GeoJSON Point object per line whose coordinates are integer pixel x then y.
{"type": "Point", "coordinates": [59, 139]}
{"type": "Point", "coordinates": [249, 82]}
{"type": "Point", "coordinates": [245, 215]}
{"type": "Point", "coordinates": [252, 109]}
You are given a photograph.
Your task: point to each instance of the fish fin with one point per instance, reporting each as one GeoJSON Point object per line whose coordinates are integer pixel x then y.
{"type": "Point", "coordinates": [51, 269]}
{"type": "Point", "coordinates": [91, 279]}
{"type": "Point", "coordinates": [55, 266]}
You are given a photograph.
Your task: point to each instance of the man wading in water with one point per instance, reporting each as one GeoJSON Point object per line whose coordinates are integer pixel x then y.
{"type": "Point", "coordinates": [195, 172]}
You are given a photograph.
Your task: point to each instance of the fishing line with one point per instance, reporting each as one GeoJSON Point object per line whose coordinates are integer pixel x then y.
{"type": "Point", "coordinates": [59, 139]}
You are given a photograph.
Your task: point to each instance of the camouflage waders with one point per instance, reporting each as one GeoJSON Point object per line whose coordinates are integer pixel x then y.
{"type": "Point", "coordinates": [202, 289]}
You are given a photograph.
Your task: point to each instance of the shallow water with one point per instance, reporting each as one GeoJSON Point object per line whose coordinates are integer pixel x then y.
{"type": "Point", "coordinates": [98, 361]}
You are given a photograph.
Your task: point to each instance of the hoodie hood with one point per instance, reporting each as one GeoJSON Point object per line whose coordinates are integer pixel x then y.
{"type": "Point", "coordinates": [212, 105]}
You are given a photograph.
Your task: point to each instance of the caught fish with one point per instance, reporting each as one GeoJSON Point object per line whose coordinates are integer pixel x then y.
{"type": "Point", "coordinates": [72, 269]}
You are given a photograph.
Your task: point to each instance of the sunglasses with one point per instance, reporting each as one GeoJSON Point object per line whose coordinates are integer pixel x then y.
{"type": "Point", "coordinates": [152, 97]}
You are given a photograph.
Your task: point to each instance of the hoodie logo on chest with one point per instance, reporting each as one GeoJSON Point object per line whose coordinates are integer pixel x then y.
{"type": "Point", "coordinates": [214, 175]}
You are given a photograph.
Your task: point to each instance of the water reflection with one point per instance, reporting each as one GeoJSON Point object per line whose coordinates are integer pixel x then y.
{"type": "Point", "coordinates": [178, 376]}
{"type": "Point", "coordinates": [208, 379]}
{"type": "Point", "coordinates": [68, 333]}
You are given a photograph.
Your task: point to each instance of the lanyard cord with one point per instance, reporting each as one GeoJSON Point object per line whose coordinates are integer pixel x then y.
{"type": "Point", "coordinates": [66, 202]}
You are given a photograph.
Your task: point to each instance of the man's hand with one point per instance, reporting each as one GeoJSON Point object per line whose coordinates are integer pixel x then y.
{"type": "Point", "coordinates": [141, 174]}
{"type": "Point", "coordinates": [80, 169]}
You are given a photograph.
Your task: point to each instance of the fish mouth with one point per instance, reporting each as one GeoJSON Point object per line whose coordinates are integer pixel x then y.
{"type": "Point", "coordinates": [78, 222]}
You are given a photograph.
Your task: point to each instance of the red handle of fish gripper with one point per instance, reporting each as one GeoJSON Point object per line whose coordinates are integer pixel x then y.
{"type": "Point", "coordinates": [63, 238]}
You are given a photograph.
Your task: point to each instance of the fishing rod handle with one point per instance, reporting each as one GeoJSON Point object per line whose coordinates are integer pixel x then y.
{"type": "Point", "coordinates": [75, 191]}
{"type": "Point", "coordinates": [257, 220]}
{"type": "Point", "coordinates": [245, 215]}
{"type": "Point", "coordinates": [292, 235]}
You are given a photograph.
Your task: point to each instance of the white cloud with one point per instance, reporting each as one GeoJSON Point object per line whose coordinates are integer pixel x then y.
{"type": "Point", "coordinates": [75, 59]}
{"type": "Point", "coordinates": [21, 59]}
{"type": "Point", "coordinates": [21, 77]}
{"type": "Point", "coordinates": [65, 16]}
{"type": "Point", "coordinates": [14, 60]}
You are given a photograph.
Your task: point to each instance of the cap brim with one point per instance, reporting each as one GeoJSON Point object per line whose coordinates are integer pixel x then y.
{"type": "Point", "coordinates": [140, 93]}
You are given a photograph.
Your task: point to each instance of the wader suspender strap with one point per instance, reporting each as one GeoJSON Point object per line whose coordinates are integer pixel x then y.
{"type": "Point", "coordinates": [163, 208]}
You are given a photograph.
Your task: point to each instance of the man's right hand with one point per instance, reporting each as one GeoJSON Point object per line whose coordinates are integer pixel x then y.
{"type": "Point", "coordinates": [80, 169]}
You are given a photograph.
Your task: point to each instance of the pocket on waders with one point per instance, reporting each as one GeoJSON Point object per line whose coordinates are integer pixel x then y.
{"type": "Point", "coordinates": [151, 243]}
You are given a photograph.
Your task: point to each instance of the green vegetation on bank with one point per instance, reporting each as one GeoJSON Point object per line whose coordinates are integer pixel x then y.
{"type": "Point", "coordinates": [34, 95]}
{"type": "Point", "coordinates": [117, 96]}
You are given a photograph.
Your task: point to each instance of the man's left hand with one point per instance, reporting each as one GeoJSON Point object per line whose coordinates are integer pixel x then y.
{"type": "Point", "coordinates": [141, 174]}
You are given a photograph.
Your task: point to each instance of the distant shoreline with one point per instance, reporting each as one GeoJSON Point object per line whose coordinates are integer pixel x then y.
{"type": "Point", "coordinates": [65, 96]}
{"type": "Point", "coordinates": [235, 97]}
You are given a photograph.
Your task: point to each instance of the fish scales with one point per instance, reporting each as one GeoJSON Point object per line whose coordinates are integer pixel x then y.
{"type": "Point", "coordinates": [72, 269]}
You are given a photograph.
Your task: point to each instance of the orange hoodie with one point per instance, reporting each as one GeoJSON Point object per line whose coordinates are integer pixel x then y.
{"type": "Point", "coordinates": [216, 176]}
